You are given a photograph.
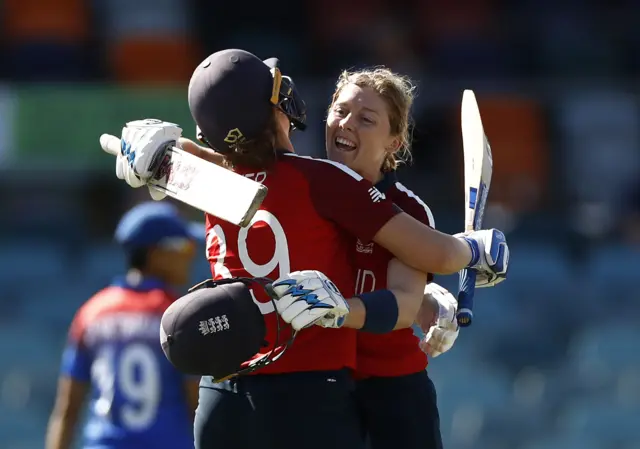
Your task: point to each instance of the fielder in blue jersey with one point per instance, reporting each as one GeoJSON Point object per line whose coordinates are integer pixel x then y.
{"type": "Point", "coordinates": [137, 399]}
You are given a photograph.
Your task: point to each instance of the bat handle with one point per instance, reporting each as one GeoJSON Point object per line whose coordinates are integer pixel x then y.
{"type": "Point", "coordinates": [464, 313]}
{"type": "Point", "coordinates": [110, 144]}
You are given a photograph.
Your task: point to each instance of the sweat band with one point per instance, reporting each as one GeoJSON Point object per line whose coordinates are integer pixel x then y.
{"type": "Point", "coordinates": [475, 251]}
{"type": "Point", "coordinates": [382, 311]}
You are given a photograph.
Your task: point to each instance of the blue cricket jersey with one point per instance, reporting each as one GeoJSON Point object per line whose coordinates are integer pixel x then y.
{"type": "Point", "coordinates": [138, 398]}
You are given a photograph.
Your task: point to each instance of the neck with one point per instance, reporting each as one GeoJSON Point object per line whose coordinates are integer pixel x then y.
{"type": "Point", "coordinates": [284, 143]}
{"type": "Point", "coordinates": [283, 138]}
{"type": "Point", "coordinates": [374, 176]}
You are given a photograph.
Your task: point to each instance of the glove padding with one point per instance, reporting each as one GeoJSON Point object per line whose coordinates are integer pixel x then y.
{"type": "Point", "coordinates": [440, 333]}
{"type": "Point", "coordinates": [142, 145]}
{"type": "Point", "coordinates": [308, 297]}
{"type": "Point", "coordinates": [490, 255]}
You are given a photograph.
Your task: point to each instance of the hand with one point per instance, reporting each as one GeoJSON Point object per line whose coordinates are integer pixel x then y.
{"type": "Point", "coordinates": [441, 333]}
{"type": "Point", "coordinates": [490, 255]}
{"type": "Point", "coordinates": [308, 297]}
{"type": "Point", "coordinates": [142, 145]}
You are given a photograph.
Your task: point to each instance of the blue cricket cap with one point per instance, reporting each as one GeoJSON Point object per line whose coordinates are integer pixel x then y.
{"type": "Point", "coordinates": [155, 223]}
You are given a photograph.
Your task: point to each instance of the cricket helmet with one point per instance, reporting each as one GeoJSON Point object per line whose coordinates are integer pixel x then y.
{"type": "Point", "coordinates": [216, 327]}
{"type": "Point", "coordinates": [231, 96]}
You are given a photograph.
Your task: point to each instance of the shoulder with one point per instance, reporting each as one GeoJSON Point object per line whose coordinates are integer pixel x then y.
{"type": "Point", "coordinates": [96, 303]}
{"type": "Point", "coordinates": [322, 167]}
{"type": "Point", "coordinates": [412, 204]}
{"type": "Point", "coordinates": [89, 312]}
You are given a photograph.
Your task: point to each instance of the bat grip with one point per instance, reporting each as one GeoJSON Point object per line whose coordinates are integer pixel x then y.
{"type": "Point", "coordinates": [464, 313]}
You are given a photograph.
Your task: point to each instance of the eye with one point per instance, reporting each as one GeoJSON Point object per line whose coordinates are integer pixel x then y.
{"type": "Point", "coordinates": [368, 120]}
{"type": "Point", "coordinates": [337, 110]}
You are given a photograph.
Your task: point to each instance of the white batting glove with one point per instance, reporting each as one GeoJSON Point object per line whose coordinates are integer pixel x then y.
{"type": "Point", "coordinates": [142, 145]}
{"type": "Point", "coordinates": [440, 333]}
{"type": "Point", "coordinates": [309, 297]}
{"type": "Point", "coordinates": [490, 255]}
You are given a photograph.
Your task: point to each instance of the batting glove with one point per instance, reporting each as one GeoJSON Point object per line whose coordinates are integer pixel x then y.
{"type": "Point", "coordinates": [308, 297]}
{"type": "Point", "coordinates": [142, 146]}
{"type": "Point", "coordinates": [490, 255]}
{"type": "Point", "coordinates": [440, 333]}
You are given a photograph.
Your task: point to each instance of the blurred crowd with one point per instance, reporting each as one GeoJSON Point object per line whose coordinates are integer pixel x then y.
{"type": "Point", "coordinates": [552, 360]}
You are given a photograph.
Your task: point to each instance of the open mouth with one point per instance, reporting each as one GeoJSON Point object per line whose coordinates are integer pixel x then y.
{"type": "Point", "coordinates": [344, 144]}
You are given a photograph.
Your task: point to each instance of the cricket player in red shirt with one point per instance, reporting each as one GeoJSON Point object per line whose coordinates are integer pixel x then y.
{"type": "Point", "coordinates": [395, 396]}
{"type": "Point", "coordinates": [245, 110]}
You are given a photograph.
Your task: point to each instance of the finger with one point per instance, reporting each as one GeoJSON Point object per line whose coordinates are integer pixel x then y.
{"type": "Point", "coordinates": [311, 283]}
{"type": "Point", "coordinates": [120, 168]}
{"type": "Point", "coordinates": [295, 309]}
{"type": "Point", "coordinates": [304, 320]}
{"type": "Point", "coordinates": [503, 259]}
{"type": "Point", "coordinates": [282, 285]}
{"type": "Point", "coordinates": [110, 144]}
{"type": "Point", "coordinates": [284, 303]}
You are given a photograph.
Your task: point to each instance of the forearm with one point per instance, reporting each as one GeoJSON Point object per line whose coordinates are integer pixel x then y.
{"type": "Point", "coordinates": [202, 152]}
{"type": "Point", "coordinates": [447, 254]}
{"type": "Point", "coordinates": [408, 305]}
{"type": "Point", "coordinates": [393, 308]}
{"type": "Point", "coordinates": [423, 248]}
{"type": "Point", "coordinates": [357, 314]}
{"type": "Point", "coordinates": [459, 255]}
{"type": "Point", "coordinates": [60, 431]}
{"type": "Point", "coordinates": [192, 389]}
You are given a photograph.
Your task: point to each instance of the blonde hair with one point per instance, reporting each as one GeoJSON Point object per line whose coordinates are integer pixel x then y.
{"type": "Point", "coordinates": [398, 93]}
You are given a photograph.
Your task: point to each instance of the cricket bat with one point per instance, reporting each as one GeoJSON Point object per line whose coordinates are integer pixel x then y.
{"type": "Point", "coordinates": [201, 184]}
{"type": "Point", "coordinates": [478, 167]}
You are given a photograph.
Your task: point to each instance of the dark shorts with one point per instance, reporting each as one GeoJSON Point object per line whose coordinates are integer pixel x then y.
{"type": "Point", "coordinates": [399, 412]}
{"type": "Point", "coordinates": [313, 410]}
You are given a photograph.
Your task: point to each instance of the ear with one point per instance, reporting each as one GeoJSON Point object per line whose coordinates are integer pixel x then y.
{"type": "Point", "coordinates": [393, 146]}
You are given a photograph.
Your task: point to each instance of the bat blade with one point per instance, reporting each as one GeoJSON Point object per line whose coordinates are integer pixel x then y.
{"type": "Point", "coordinates": [478, 168]}
{"type": "Point", "coordinates": [201, 184]}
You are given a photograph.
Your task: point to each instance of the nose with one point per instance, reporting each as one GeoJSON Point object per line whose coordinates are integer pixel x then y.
{"type": "Point", "coordinates": [347, 122]}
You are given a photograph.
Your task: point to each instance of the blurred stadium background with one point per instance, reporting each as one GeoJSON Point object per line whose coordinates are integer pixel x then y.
{"type": "Point", "coordinates": [553, 358]}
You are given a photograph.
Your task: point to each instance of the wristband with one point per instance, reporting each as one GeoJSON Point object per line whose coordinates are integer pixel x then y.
{"type": "Point", "coordinates": [475, 251]}
{"type": "Point", "coordinates": [381, 311]}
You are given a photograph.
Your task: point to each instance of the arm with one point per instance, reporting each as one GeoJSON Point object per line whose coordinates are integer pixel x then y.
{"type": "Point", "coordinates": [202, 152]}
{"type": "Point", "coordinates": [414, 243]}
{"type": "Point", "coordinates": [73, 386]}
{"type": "Point", "coordinates": [421, 247]}
{"type": "Point", "coordinates": [64, 418]}
{"type": "Point", "coordinates": [406, 284]}
{"type": "Point", "coordinates": [191, 388]}
{"type": "Point", "coordinates": [355, 205]}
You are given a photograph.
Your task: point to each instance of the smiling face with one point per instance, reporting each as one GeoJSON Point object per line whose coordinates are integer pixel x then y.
{"type": "Point", "coordinates": [358, 132]}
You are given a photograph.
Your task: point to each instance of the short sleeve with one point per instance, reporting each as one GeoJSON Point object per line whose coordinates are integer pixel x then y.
{"type": "Point", "coordinates": [76, 358]}
{"type": "Point", "coordinates": [411, 203]}
{"type": "Point", "coordinates": [341, 195]}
